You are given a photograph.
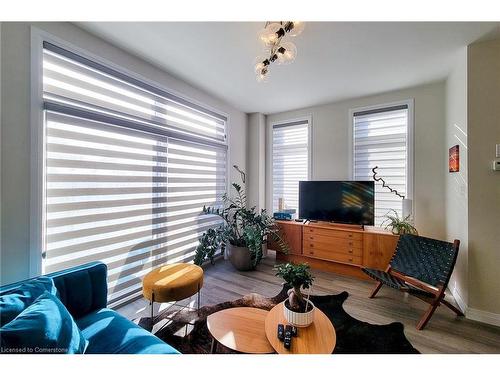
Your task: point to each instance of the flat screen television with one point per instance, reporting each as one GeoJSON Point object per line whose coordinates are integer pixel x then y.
{"type": "Point", "coordinates": [346, 202]}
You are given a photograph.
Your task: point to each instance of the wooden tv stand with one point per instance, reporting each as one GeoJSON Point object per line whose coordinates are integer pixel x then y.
{"type": "Point", "coordinates": [339, 248]}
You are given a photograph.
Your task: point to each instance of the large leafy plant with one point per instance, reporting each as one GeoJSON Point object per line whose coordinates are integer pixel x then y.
{"type": "Point", "coordinates": [399, 225]}
{"type": "Point", "coordinates": [298, 276]}
{"type": "Point", "coordinates": [241, 226]}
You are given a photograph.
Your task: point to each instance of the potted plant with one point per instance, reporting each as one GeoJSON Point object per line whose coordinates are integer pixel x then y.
{"type": "Point", "coordinates": [242, 232]}
{"type": "Point", "coordinates": [399, 225]}
{"type": "Point", "coordinates": [298, 310]}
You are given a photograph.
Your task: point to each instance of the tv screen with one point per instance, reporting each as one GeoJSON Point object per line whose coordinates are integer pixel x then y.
{"type": "Point", "coordinates": [347, 202]}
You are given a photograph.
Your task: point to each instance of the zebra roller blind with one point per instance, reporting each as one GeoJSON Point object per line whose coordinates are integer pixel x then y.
{"type": "Point", "coordinates": [381, 139]}
{"type": "Point", "coordinates": [290, 162]}
{"type": "Point", "coordinates": [122, 189]}
{"type": "Point", "coordinates": [73, 80]}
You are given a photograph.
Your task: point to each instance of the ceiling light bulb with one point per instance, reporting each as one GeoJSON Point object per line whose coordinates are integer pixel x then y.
{"type": "Point", "coordinates": [262, 77]}
{"type": "Point", "coordinates": [260, 63]}
{"type": "Point", "coordinates": [259, 67]}
{"type": "Point", "coordinates": [298, 27]}
{"type": "Point", "coordinates": [269, 35]}
{"type": "Point", "coordinates": [286, 53]}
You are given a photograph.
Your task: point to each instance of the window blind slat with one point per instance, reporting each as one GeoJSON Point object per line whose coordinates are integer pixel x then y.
{"type": "Point", "coordinates": [380, 139]}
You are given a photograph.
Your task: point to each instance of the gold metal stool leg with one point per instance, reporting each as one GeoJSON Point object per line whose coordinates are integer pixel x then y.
{"type": "Point", "coordinates": [199, 298]}
{"type": "Point", "coordinates": [151, 315]}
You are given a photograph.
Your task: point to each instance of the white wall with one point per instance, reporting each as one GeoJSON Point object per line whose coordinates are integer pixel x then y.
{"type": "Point", "coordinates": [330, 148]}
{"type": "Point", "coordinates": [15, 191]}
{"type": "Point", "coordinates": [256, 160]}
{"type": "Point", "coordinates": [15, 142]}
{"type": "Point", "coordinates": [0, 146]}
{"type": "Point", "coordinates": [483, 114]}
{"type": "Point", "coordinates": [456, 183]}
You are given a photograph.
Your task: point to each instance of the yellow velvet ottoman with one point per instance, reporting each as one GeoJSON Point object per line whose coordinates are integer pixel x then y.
{"type": "Point", "coordinates": [172, 282]}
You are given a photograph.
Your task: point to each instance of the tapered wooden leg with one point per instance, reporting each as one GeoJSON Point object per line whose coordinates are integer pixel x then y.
{"type": "Point", "coordinates": [213, 348]}
{"type": "Point", "coordinates": [427, 316]}
{"type": "Point", "coordinates": [377, 288]}
{"type": "Point", "coordinates": [452, 308]}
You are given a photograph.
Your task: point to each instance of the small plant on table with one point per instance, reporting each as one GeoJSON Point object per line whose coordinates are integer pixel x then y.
{"type": "Point", "coordinates": [298, 276]}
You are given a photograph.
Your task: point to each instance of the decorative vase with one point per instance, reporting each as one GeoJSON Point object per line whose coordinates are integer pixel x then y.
{"type": "Point", "coordinates": [240, 257]}
{"type": "Point", "coordinates": [299, 319]}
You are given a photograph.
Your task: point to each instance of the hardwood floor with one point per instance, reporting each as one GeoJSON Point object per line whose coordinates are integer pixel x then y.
{"type": "Point", "coordinates": [445, 333]}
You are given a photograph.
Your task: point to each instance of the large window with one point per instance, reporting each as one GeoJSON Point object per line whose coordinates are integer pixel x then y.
{"type": "Point", "coordinates": [128, 169]}
{"type": "Point", "coordinates": [290, 162]}
{"type": "Point", "coordinates": [381, 138]}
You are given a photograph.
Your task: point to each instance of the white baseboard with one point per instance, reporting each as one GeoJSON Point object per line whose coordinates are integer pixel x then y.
{"type": "Point", "coordinates": [475, 314]}
{"type": "Point", "coordinates": [483, 316]}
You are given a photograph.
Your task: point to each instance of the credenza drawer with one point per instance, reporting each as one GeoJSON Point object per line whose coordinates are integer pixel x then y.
{"type": "Point", "coordinates": [333, 233]}
{"type": "Point", "coordinates": [329, 255]}
{"type": "Point", "coordinates": [333, 247]}
{"type": "Point", "coordinates": [333, 241]}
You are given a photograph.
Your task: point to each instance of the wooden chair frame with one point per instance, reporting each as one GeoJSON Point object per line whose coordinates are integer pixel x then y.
{"type": "Point", "coordinates": [438, 293]}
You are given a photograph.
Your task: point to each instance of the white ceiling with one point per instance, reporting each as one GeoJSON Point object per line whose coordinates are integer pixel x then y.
{"type": "Point", "coordinates": [335, 60]}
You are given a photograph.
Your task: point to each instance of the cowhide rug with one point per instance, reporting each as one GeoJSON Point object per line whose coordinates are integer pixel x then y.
{"type": "Point", "coordinates": [353, 336]}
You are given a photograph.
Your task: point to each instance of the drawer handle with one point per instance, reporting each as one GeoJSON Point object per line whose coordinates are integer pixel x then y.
{"type": "Point", "coordinates": [350, 243]}
{"type": "Point", "coordinates": [311, 252]}
{"type": "Point", "coordinates": [350, 259]}
{"type": "Point", "coordinates": [350, 235]}
{"type": "Point", "coordinates": [311, 245]}
{"type": "Point", "coordinates": [350, 251]}
{"type": "Point", "coordinates": [311, 238]}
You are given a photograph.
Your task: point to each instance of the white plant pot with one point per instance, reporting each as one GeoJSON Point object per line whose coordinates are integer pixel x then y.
{"type": "Point", "coordinates": [299, 319]}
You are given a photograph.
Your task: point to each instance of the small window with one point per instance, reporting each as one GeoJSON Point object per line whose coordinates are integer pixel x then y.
{"type": "Point", "coordinates": [381, 139]}
{"type": "Point", "coordinates": [290, 162]}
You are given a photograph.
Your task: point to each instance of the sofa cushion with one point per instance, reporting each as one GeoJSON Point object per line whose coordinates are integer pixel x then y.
{"type": "Point", "coordinates": [45, 326]}
{"type": "Point", "coordinates": [109, 332]}
{"type": "Point", "coordinates": [82, 289]}
{"type": "Point", "coordinates": [14, 301]}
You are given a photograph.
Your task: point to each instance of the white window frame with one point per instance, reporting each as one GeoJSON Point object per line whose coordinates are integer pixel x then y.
{"type": "Point", "coordinates": [37, 132]}
{"type": "Point", "coordinates": [409, 141]}
{"type": "Point", "coordinates": [309, 120]}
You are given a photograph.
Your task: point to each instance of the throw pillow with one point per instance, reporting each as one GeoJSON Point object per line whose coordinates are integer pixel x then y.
{"type": "Point", "coordinates": [14, 302]}
{"type": "Point", "coordinates": [44, 327]}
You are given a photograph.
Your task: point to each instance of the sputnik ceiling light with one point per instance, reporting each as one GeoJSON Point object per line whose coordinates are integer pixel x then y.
{"type": "Point", "coordinates": [277, 48]}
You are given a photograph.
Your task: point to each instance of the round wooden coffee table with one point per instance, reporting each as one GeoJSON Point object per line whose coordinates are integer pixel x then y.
{"type": "Point", "coordinates": [318, 338]}
{"type": "Point", "coordinates": [241, 329]}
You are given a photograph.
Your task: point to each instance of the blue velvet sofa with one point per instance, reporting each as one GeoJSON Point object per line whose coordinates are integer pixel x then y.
{"type": "Point", "coordinates": [83, 291]}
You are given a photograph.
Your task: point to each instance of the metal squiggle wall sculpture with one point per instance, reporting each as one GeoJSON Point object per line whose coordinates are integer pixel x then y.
{"type": "Point", "coordinates": [243, 175]}
{"type": "Point", "coordinates": [384, 184]}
